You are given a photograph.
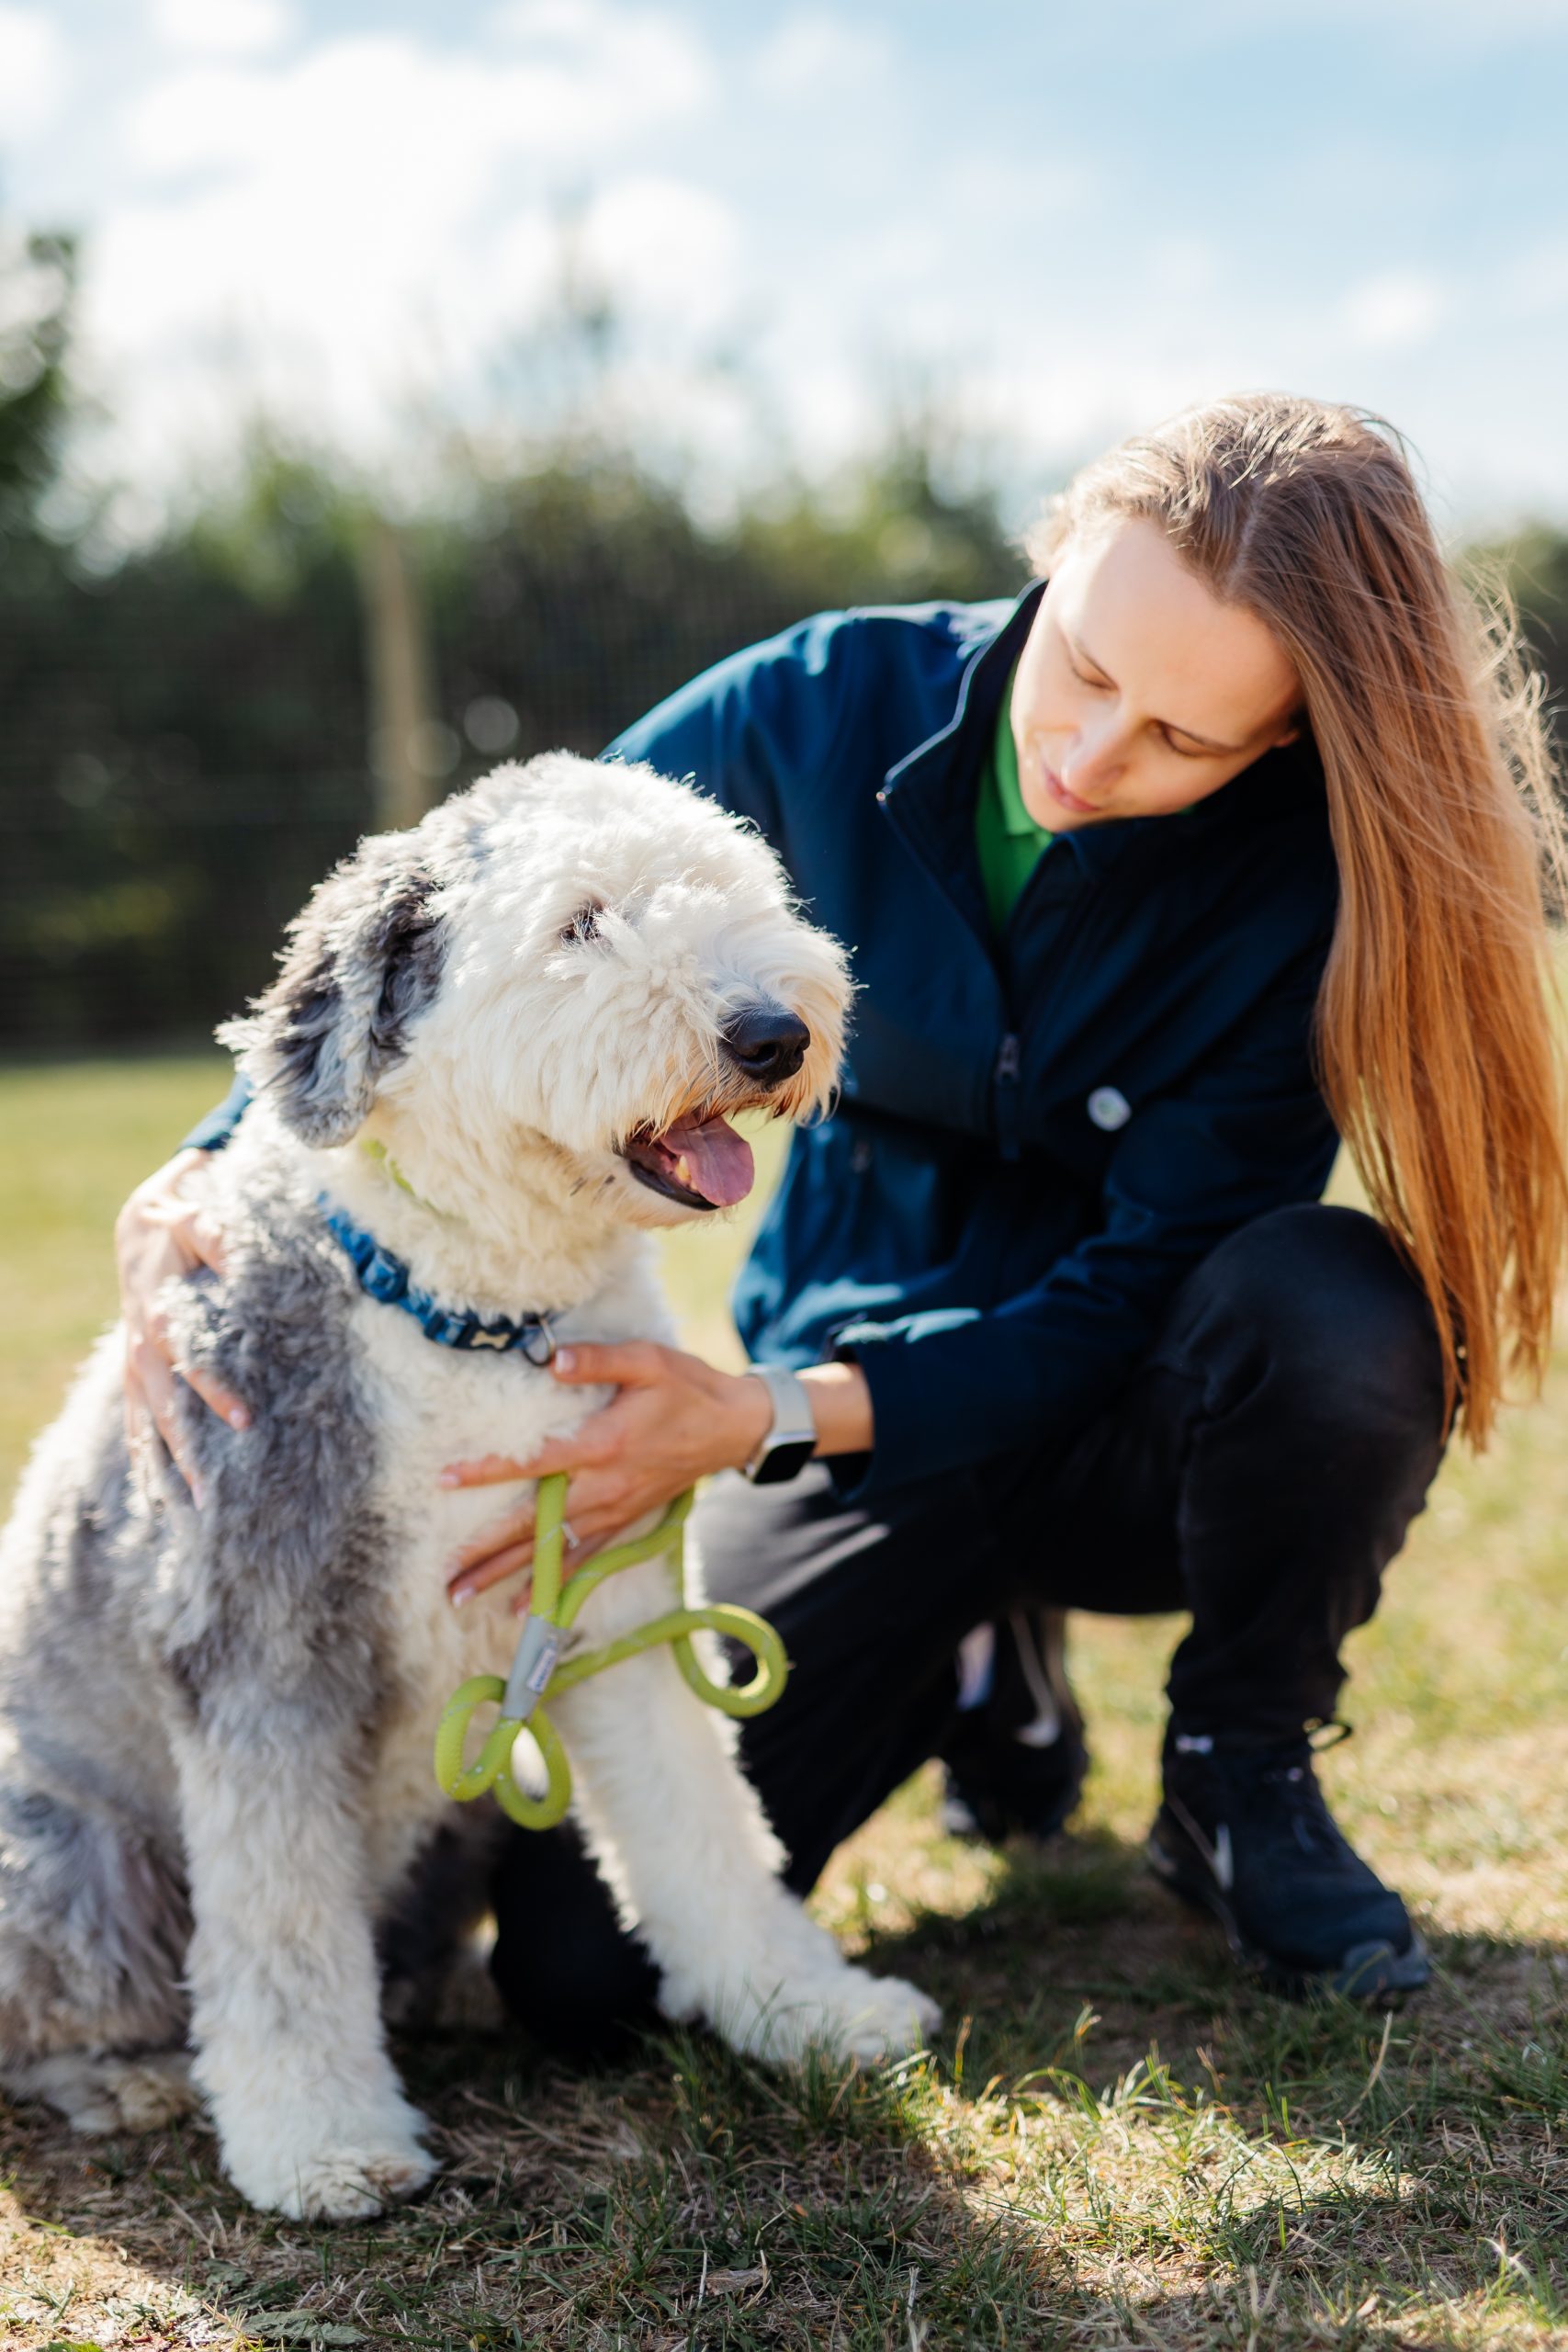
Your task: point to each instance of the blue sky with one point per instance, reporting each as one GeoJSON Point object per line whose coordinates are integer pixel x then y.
{"type": "Point", "coordinates": [1068, 220]}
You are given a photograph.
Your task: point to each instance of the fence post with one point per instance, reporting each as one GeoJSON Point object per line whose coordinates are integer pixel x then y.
{"type": "Point", "coordinates": [405, 736]}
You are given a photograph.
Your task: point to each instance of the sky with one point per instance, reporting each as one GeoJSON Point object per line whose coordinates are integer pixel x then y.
{"type": "Point", "coordinates": [1062, 221]}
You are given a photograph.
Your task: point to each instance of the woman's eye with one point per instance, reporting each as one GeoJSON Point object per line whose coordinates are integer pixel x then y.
{"type": "Point", "coordinates": [584, 924]}
{"type": "Point", "coordinates": [1184, 751]}
{"type": "Point", "coordinates": [1084, 680]}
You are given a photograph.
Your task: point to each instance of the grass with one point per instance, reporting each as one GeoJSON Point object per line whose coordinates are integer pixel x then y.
{"type": "Point", "coordinates": [1114, 2145]}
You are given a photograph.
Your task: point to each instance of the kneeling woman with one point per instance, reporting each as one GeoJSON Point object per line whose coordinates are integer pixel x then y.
{"type": "Point", "coordinates": [1223, 842]}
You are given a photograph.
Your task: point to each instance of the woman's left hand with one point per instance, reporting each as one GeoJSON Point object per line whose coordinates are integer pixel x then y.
{"type": "Point", "coordinates": [675, 1419]}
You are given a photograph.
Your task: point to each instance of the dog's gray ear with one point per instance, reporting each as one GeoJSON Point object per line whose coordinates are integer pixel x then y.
{"type": "Point", "coordinates": [361, 962]}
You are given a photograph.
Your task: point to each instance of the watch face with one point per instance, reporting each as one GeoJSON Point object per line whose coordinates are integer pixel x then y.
{"type": "Point", "coordinates": [786, 1461]}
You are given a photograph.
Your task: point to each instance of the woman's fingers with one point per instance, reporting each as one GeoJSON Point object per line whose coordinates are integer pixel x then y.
{"type": "Point", "coordinates": [628, 1364]}
{"type": "Point", "coordinates": [204, 1239]}
{"type": "Point", "coordinates": [572, 1560]}
{"type": "Point", "coordinates": [150, 1378]}
{"type": "Point", "coordinates": [587, 1447]}
{"type": "Point", "coordinates": [161, 1233]}
{"type": "Point", "coordinates": [485, 1470]}
{"type": "Point", "coordinates": [495, 1570]}
{"type": "Point", "coordinates": [219, 1399]}
{"type": "Point", "coordinates": [595, 1514]}
{"type": "Point", "coordinates": [156, 1337]}
{"type": "Point", "coordinates": [498, 1552]}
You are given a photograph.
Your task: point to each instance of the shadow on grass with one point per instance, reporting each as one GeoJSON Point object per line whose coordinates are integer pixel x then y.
{"type": "Point", "coordinates": [1118, 2143]}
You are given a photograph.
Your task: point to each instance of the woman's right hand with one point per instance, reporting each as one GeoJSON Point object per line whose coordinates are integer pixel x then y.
{"type": "Point", "coordinates": [161, 1231]}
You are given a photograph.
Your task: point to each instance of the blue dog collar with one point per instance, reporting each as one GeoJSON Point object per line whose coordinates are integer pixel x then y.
{"type": "Point", "coordinates": [386, 1278]}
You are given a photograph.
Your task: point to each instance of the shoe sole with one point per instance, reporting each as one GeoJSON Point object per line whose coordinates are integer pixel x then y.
{"type": "Point", "coordinates": [1368, 1972]}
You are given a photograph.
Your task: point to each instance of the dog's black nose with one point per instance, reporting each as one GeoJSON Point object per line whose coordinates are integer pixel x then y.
{"type": "Point", "coordinates": [768, 1043]}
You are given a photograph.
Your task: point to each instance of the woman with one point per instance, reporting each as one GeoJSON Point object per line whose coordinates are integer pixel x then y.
{"type": "Point", "coordinates": [1223, 838]}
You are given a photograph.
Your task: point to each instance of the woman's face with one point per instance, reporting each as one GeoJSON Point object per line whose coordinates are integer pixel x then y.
{"type": "Point", "coordinates": [1137, 692]}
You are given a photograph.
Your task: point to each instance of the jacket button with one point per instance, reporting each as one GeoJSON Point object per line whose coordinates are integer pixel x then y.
{"type": "Point", "coordinates": [1109, 1108]}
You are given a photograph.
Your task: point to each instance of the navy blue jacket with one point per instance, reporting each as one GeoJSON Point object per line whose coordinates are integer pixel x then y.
{"type": "Point", "coordinates": [1039, 1136]}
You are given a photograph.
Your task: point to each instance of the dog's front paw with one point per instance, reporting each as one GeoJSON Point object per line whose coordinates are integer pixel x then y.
{"type": "Point", "coordinates": [849, 2014]}
{"type": "Point", "coordinates": [350, 2183]}
{"type": "Point", "coordinates": [882, 2017]}
{"type": "Point", "coordinates": [346, 2174]}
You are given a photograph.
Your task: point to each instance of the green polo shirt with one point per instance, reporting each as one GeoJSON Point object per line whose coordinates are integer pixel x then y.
{"type": "Point", "coordinates": [1010, 841]}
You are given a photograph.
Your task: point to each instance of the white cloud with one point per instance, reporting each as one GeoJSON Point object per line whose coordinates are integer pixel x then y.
{"type": "Point", "coordinates": [624, 54]}
{"type": "Point", "coordinates": [1395, 310]}
{"type": "Point", "coordinates": [337, 225]}
{"type": "Point", "coordinates": [1186, 266]}
{"type": "Point", "coordinates": [820, 57]}
{"type": "Point", "coordinates": [1535, 285]}
{"type": "Point", "coordinates": [668, 250]}
{"type": "Point", "coordinates": [336, 232]}
{"type": "Point", "coordinates": [1449, 25]}
{"type": "Point", "coordinates": [383, 110]}
{"type": "Point", "coordinates": [222, 28]}
{"type": "Point", "coordinates": [32, 72]}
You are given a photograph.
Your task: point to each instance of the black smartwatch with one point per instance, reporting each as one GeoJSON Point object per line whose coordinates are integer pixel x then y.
{"type": "Point", "coordinates": [791, 1437]}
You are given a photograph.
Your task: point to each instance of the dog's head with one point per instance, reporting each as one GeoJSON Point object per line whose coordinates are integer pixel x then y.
{"type": "Point", "coordinates": [589, 963]}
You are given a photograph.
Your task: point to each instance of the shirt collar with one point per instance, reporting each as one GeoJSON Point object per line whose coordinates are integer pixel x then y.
{"type": "Point", "coordinates": [1016, 819]}
{"type": "Point", "coordinates": [1280, 781]}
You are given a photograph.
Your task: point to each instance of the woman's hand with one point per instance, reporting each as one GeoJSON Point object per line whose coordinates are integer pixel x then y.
{"type": "Point", "coordinates": [675, 1419]}
{"type": "Point", "coordinates": [159, 1232]}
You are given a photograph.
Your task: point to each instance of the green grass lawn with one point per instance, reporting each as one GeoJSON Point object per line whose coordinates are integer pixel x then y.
{"type": "Point", "coordinates": [1114, 2145]}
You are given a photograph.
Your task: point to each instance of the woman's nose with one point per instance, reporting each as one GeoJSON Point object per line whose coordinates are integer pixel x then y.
{"type": "Point", "coordinates": [1096, 758]}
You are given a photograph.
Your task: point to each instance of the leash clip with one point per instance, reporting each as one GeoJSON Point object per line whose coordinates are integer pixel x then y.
{"type": "Point", "coordinates": [537, 1650]}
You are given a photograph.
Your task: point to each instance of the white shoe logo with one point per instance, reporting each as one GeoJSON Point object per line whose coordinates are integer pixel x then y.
{"type": "Point", "coordinates": [1046, 1728]}
{"type": "Point", "coordinates": [1218, 1854]}
{"type": "Point", "coordinates": [1224, 1867]}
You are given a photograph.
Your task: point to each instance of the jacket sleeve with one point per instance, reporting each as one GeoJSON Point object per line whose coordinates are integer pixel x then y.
{"type": "Point", "coordinates": [1249, 1133]}
{"type": "Point", "coordinates": [211, 1133]}
{"type": "Point", "coordinates": [748, 726]}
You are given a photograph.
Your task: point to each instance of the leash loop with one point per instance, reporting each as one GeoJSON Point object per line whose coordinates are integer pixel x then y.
{"type": "Point", "coordinates": [535, 1675]}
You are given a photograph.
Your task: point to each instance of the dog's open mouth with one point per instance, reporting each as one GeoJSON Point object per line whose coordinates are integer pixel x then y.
{"type": "Point", "coordinates": [702, 1162]}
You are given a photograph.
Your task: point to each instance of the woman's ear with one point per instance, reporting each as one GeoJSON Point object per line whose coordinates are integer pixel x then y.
{"type": "Point", "coordinates": [361, 962]}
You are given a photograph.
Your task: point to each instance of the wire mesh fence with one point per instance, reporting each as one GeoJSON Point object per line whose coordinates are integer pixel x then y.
{"type": "Point", "coordinates": [189, 742]}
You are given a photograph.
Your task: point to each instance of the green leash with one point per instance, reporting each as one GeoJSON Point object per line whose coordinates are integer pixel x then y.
{"type": "Point", "coordinates": [536, 1677]}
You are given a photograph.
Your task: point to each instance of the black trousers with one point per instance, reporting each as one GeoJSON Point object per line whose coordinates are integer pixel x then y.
{"type": "Point", "coordinates": [1259, 1472]}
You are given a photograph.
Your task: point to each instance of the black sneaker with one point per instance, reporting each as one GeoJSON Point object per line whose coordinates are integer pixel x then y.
{"type": "Point", "coordinates": [1243, 1833]}
{"type": "Point", "coordinates": [1016, 1758]}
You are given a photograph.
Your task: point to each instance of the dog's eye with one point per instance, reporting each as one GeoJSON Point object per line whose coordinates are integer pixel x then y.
{"type": "Point", "coordinates": [584, 923]}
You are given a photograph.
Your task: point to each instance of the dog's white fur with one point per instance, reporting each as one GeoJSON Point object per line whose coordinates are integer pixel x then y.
{"type": "Point", "coordinates": [502, 1050]}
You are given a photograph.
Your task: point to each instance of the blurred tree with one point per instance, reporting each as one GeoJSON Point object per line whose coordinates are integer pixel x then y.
{"type": "Point", "coordinates": [1535, 564]}
{"type": "Point", "coordinates": [181, 756]}
{"type": "Point", "coordinates": [582, 589]}
{"type": "Point", "coordinates": [183, 738]}
{"type": "Point", "coordinates": [37, 278]}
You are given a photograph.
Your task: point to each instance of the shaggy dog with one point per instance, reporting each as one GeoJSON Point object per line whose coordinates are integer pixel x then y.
{"type": "Point", "coordinates": [216, 1725]}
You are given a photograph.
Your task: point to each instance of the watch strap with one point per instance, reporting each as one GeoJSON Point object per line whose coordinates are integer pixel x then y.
{"type": "Point", "coordinates": [790, 1439]}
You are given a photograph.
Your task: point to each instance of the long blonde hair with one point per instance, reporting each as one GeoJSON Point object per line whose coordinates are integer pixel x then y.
{"type": "Point", "coordinates": [1436, 1046]}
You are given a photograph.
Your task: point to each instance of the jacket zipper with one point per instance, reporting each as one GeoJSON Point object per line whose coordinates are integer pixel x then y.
{"type": "Point", "coordinates": [1005, 1082]}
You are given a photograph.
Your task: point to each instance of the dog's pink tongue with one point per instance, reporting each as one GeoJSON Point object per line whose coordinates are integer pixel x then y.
{"type": "Point", "coordinates": [711, 1158]}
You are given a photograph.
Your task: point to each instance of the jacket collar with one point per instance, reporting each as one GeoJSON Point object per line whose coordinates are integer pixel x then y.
{"type": "Point", "coordinates": [925, 793]}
